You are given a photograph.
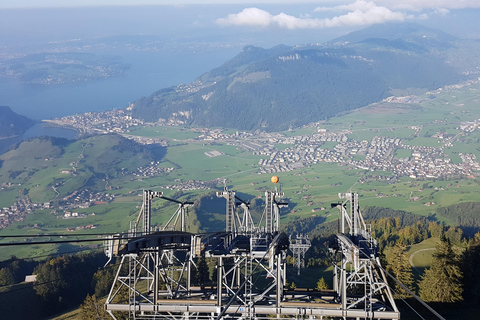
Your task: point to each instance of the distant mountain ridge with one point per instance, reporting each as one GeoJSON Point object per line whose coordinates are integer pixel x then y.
{"type": "Point", "coordinates": [406, 32]}
{"type": "Point", "coordinates": [283, 87]}
{"type": "Point", "coordinates": [13, 124]}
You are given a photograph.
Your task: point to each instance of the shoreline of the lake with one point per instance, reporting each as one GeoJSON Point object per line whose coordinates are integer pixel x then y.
{"type": "Point", "coordinates": [40, 129]}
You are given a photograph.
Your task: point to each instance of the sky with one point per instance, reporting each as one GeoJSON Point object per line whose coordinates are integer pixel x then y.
{"type": "Point", "coordinates": [322, 15]}
{"type": "Point", "coordinates": [343, 13]}
{"type": "Point", "coordinates": [264, 23]}
{"type": "Point", "coordinates": [449, 4]}
{"type": "Point", "coordinates": [218, 29]}
{"type": "Point", "coordinates": [404, 4]}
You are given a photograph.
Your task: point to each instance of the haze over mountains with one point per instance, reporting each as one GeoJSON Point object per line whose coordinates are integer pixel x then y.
{"type": "Point", "coordinates": [288, 86]}
{"type": "Point", "coordinates": [283, 87]}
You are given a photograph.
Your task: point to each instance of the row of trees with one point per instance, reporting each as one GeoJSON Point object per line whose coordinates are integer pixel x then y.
{"type": "Point", "coordinates": [61, 283]}
{"type": "Point", "coordinates": [463, 214]}
{"type": "Point", "coordinates": [64, 282]}
{"type": "Point", "coordinates": [14, 270]}
{"type": "Point", "coordinates": [452, 277]}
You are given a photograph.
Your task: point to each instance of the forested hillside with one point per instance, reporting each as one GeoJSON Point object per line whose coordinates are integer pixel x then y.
{"type": "Point", "coordinates": [464, 215]}
{"type": "Point", "coordinates": [62, 283]}
{"type": "Point", "coordinates": [12, 124]}
{"type": "Point", "coordinates": [282, 87]}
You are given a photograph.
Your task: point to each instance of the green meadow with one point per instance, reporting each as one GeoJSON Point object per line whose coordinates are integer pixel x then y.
{"type": "Point", "coordinates": [36, 169]}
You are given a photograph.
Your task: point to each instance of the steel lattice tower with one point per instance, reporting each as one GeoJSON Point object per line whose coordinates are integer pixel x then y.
{"type": "Point", "coordinates": [153, 280]}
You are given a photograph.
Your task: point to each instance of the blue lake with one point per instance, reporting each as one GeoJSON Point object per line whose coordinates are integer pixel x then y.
{"type": "Point", "coordinates": [148, 72]}
{"type": "Point", "coordinates": [38, 130]}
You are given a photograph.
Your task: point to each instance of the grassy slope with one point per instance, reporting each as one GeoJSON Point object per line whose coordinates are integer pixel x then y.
{"type": "Point", "coordinates": [321, 182]}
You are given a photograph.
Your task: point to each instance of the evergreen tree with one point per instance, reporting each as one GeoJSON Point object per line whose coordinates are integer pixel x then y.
{"type": "Point", "coordinates": [321, 284]}
{"type": "Point", "coordinates": [203, 272]}
{"type": "Point", "coordinates": [6, 277]}
{"type": "Point", "coordinates": [471, 270]}
{"type": "Point", "coordinates": [443, 281]}
{"type": "Point", "coordinates": [102, 281]}
{"type": "Point", "coordinates": [399, 267]}
{"type": "Point", "coordinates": [63, 282]}
{"type": "Point", "coordinates": [93, 309]}
{"type": "Point", "coordinates": [435, 229]}
{"type": "Point", "coordinates": [292, 286]}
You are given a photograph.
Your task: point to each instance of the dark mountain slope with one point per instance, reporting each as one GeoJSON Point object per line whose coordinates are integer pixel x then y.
{"type": "Point", "coordinates": [282, 87]}
{"type": "Point", "coordinates": [407, 33]}
{"type": "Point", "coordinates": [12, 124]}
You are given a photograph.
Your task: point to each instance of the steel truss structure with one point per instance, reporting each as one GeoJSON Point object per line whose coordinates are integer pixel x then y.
{"type": "Point", "coordinates": [299, 246]}
{"type": "Point", "coordinates": [155, 270]}
{"type": "Point", "coordinates": [359, 280]}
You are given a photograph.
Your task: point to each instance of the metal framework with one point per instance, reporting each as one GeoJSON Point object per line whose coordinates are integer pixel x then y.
{"type": "Point", "coordinates": [154, 276]}
{"type": "Point", "coordinates": [361, 286]}
{"type": "Point", "coordinates": [299, 246]}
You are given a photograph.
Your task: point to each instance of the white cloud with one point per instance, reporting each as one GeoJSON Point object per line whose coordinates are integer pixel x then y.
{"type": "Point", "coordinates": [360, 13]}
{"type": "Point", "coordinates": [423, 16]}
{"type": "Point", "coordinates": [260, 18]}
{"type": "Point", "coordinates": [248, 17]}
{"type": "Point", "coordinates": [429, 4]}
{"type": "Point", "coordinates": [441, 11]}
{"type": "Point", "coordinates": [360, 5]}
{"type": "Point", "coordinates": [364, 13]}
{"type": "Point", "coordinates": [291, 22]}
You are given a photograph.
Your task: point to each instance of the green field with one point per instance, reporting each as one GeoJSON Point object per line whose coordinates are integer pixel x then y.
{"type": "Point", "coordinates": [403, 153]}
{"type": "Point", "coordinates": [421, 255]}
{"type": "Point", "coordinates": [36, 168]}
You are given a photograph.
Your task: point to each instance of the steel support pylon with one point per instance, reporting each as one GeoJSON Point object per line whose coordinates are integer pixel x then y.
{"type": "Point", "coordinates": [358, 280]}
{"type": "Point", "coordinates": [299, 246]}
{"type": "Point", "coordinates": [154, 276]}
